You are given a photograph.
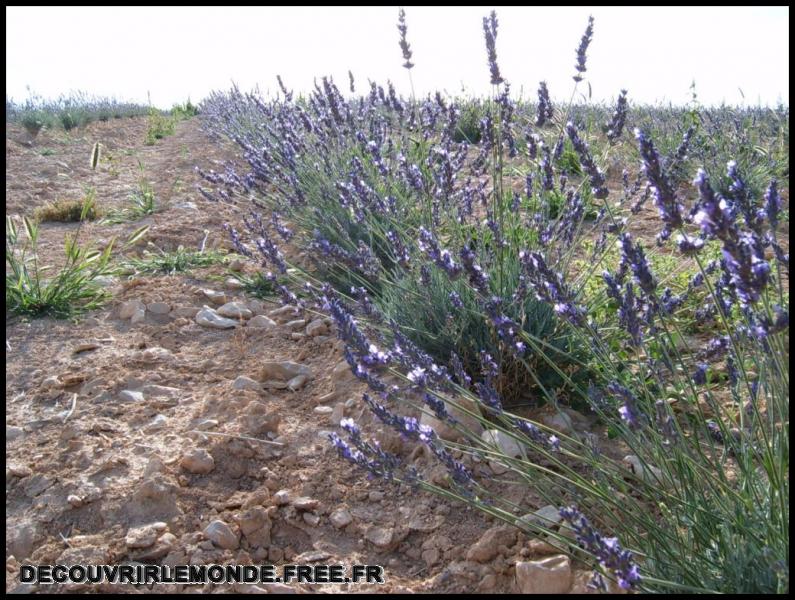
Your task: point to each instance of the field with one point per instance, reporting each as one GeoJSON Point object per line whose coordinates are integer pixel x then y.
{"type": "Point", "coordinates": [491, 345]}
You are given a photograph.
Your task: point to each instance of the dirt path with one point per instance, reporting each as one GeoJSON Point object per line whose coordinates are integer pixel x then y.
{"type": "Point", "coordinates": [127, 450]}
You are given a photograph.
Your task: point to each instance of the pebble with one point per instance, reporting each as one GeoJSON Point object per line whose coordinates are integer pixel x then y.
{"type": "Point", "coordinates": [19, 471]}
{"type": "Point", "coordinates": [295, 325]}
{"type": "Point", "coordinates": [157, 423]}
{"type": "Point", "coordinates": [144, 536]}
{"type": "Point", "coordinates": [340, 518]}
{"type": "Point", "coordinates": [186, 311]}
{"type": "Point", "coordinates": [560, 422]}
{"type": "Point", "coordinates": [197, 461]}
{"type": "Point", "coordinates": [283, 312]}
{"type": "Point", "coordinates": [158, 308]}
{"type": "Point", "coordinates": [380, 536]}
{"type": "Point", "coordinates": [283, 370]}
{"type": "Point", "coordinates": [13, 432]}
{"type": "Point", "coordinates": [648, 473]}
{"type": "Point", "coordinates": [246, 383]}
{"type": "Point", "coordinates": [545, 576]}
{"type": "Point", "coordinates": [487, 547]}
{"type": "Point", "coordinates": [323, 410]}
{"type": "Point", "coordinates": [297, 382]}
{"type": "Point", "coordinates": [131, 396]}
{"type": "Point", "coordinates": [220, 534]}
{"type": "Point", "coordinates": [155, 355]}
{"type": "Point", "coordinates": [129, 308]}
{"type": "Point", "coordinates": [262, 322]}
{"type": "Point", "coordinates": [85, 347]}
{"type": "Point", "coordinates": [338, 414]}
{"type": "Point", "coordinates": [234, 284]}
{"type": "Point", "coordinates": [306, 503]}
{"type": "Point", "coordinates": [217, 298]}
{"type": "Point", "coordinates": [281, 497]}
{"type": "Point", "coordinates": [316, 327]}
{"type": "Point", "coordinates": [74, 500]}
{"type": "Point", "coordinates": [235, 310]}
{"type": "Point", "coordinates": [311, 519]}
{"type": "Point", "coordinates": [138, 316]}
{"type": "Point", "coordinates": [547, 516]}
{"type": "Point", "coordinates": [207, 317]}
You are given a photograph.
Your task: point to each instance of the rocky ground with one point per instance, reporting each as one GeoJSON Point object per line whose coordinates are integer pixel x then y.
{"type": "Point", "coordinates": [186, 423]}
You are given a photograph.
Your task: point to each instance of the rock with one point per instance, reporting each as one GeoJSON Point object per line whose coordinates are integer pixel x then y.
{"type": "Point", "coordinates": [648, 473]}
{"type": "Point", "coordinates": [234, 284]}
{"type": "Point", "coordinates": [295, 325]}
{"type": "Point", "coordinates": [155, 355]}
{"type": "Point", "coordinates": [207, 424]}
{"type": "Point", "coordinates": [297, 382]}
{"type": "Point", "coordinates": [548, 517]}
{"type": "Point", "coordinates": [504, 444]}
{"type": "Point", "coordinates": [283, 313]}
{"type": "Point", "coordinates": [342, 373]}
{"type": "Point", "coordinates": [138, 316]}
{"type": "Point", "coordinates": [131, 396]}
{"type": "Point", "coordinates": [305, 503]}
{"type": "Point", "coordinates": [186, 311]}
{"type": "Point", "coordinates": [237, 265]}
{"type": "Point", "coordinates": [431, 556]}
{"type": "Point", "coordinates": [21, 538]}
{"type": "Point", "coordinates": [197, 461]}
{"type": "Point", "coordinates": [74, 500]}
{"type": "Point", "coordinates": [375, 496]}
{"type": "Point", "coordinates": [338, 413]}
{"type": "Point", "coordinates": [281, 497]}
{"type": "Point", "coordinates": [85, 347]}
{"type": "Point", "coordinates": [235, 310]}
{"type": "Point", "coordinates": [262, 322]}
{"type": "Point", "coordinates": [19, 471]}
{"type": "Point", "coordinates": [311, 519]}
{"type": "Point", "coordinates": [129, 308]}
{"type": "Point", "coordinates": [283, 371]}
{"type": "Point", "coordinates": [220, 534]}
{"type": "Point", "coordinates": [217, 298]}
{"type": "Point", "coordinates": [316, 327]}
{"type": "Point", "coordinates": [13, 433]}
{"type": "Point", "coordinates": [144, 536]}
{"type": "Point", "coordinates": [487, 547]}
{"type": "Point", "coordinates": [425, 523]}
{"type": "Point", "coordinates": [246, 383]}
{"type": "Point", "coordinates": [341, 518]}
{"type": "Point", "coordinates": [161, 547]}
{"type": "Point", "coordinates": [380, 536]}
{"type": "Point", "coordinates": [252, 519]}
{"type": "Point", "coordinates": [323, 410]}
{"type": "Point", "coordinates": [207, 317]}
{"type": "Point", "coordinates": [156, 424]}
{"type": "Point", "coordinates": [161, 391]}
{"type": "Point", "coordinates": [560, 422]}
{"type": "Point", "coordinates": [545, 576]}
{"type": "Point", "coordinates": [158, 308]}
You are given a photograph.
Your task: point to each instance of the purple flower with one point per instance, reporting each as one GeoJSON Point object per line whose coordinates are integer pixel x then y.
{"type": "Point", "coordinates": [404, 45]}
{"type": "Point", "coordinates": [700, 375]}
{"type": "Point", "coordinates": [616, 125]}
{"type": "Point", "coordinates": [629, 409]}
{"type": "Point", "coordinates": [442, 258]}
{"type": "Point", "coordinates": [544, 111]}
{"type": "Point", "coordinates": [490, 33]}
{"type": "Point", "coordinates": [581, 49]}
{"type": "Point", "coordinates": [597, 178]}
{"type": "Point", "coordinates": [606, 550]}
{"type": "Point", "coordinates": [664, 196]}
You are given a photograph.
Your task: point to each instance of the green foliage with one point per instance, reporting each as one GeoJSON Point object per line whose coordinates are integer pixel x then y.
{"type": "Point", "coordinates": [468, 127]}
{"type": "Point", "coordinates": [74, 288]}
{"type": "Point", "coordinates": [159, 126]}
{"type": "Point", "coordinates": [143, 203]}
{"type": "Point", "coordinates": [178, 261]}
{"type": "Point", "coordinates": [257, 285]}
{"type": "Point", "coordinates": [184, 111]}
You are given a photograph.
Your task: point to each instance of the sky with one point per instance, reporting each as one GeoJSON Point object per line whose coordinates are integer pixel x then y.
{"type": "Point", "coordinates": [736, 55]}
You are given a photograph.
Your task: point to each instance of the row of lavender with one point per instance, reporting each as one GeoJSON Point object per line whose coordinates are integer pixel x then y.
{"type": "Point", "coordinates": [461, 275]}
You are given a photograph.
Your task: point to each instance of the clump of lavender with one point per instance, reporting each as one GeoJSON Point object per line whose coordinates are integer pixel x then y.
{"type": "Point", "coordinates": [490, 33]}
{"type": "Point", "coordinates": [616, 125]}
{"type": "Point", "coordinates": [582, 48]}
{"type": "Point", "coordinates": [404, 45]}
{"type": "Point", "coordinates": [544, 111]}
{"type": "Point", "coordinates": [606, 550]}
{"type": "Point", "coordinates": [597, 178]}
{"type": "Point", "coordinates": [664, 197]}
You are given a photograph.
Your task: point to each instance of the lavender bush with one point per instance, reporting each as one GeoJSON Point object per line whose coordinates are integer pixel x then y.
{"type": "Point", "coordinates": [518, 253]}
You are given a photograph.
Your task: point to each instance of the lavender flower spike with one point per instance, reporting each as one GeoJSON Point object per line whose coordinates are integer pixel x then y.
{"type": "Point", "coordinates": [583, 47]}
{"type": "Point", "coordinates": [404, 45]}
{"type": "Point", "coordinates": [490, 32]}
{"type": "Point", "coordinates": [664, 196]}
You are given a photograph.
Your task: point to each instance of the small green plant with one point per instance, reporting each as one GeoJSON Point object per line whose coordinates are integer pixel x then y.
{"type": "Point", "coordinates": [257, 285]}
{"type": "Point", "coordinates": [184, 111]}
{"type": "Point", "coordinates": [160, 126]}
{"type": "Point", "coordinates": [70, 211]}
{"type": "Point", "coordinates": [178, 261]}
{"type": "Point", "coordinates": [47, 152]}
{"type": "Point", "coordinates": [143, 203]}
{"type": "Point", "coordinates": [468, 127]}
{"type": "Point", "coordinates": [72, 290]}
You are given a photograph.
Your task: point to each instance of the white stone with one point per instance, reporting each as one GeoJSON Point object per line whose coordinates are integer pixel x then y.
{"type": "Point", "coordinates": [546, 576]}
{"type": "Point", "coordinates": [380, 536]}
{"type": "Point", "coordinates": [341, 518]}
{"type": "Point", "coordinates": [159, 308]}
{"type": "Point", "coordinates": [207, 317]}
{"type": "Point", "coordinates": [262, 322]}
{"type": "Point", "coordinates": [217, 298]}
{"type": "Point", "coordinates": [129, 308]}
{"type": "Point", "coordinates": [220, 534]}
{"type": "Point", "coordinates": [198, 461]}
{"type": "Point", "coordinates": [235, 310]}
{"type": "Point", "coordinates": [246, 383]}
{"type": "Point", "coordinates": [138, 316]}
{"type": "Point", "coordinates": [316, 327]}
{"type": "Point", "coordinates": [131, 396]}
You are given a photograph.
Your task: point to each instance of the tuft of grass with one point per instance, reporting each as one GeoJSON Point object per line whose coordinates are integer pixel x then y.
{"type": "Point", "coordinates": [143, 203]}
{"type": "Point", "coordinates": [72, 290]}
{"type": "Point", "coordinates": [178, 261]}
{"type": "Point", "coordinates": [70, 211]}
{"type": "Point", "coordinates": [257, 285]}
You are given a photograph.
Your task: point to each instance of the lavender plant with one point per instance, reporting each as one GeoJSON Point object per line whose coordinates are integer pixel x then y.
{"type": "Point", "coordinates": [398, 219]}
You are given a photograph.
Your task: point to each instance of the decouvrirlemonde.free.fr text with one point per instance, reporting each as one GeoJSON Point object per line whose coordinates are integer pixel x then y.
{"type": "Point", "coordinates": [199, 574]}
